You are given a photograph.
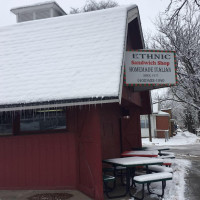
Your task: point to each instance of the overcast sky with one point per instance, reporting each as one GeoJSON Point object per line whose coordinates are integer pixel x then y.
{"type": "Point", "coordinates": [148, 9]}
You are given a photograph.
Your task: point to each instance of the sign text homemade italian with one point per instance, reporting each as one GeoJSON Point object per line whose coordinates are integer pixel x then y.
{"type": "Point", "coordinates": [150, 67]}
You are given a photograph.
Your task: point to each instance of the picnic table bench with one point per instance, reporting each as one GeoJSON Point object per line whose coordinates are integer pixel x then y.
{"type": "Point", "coordinates": [150, 178]}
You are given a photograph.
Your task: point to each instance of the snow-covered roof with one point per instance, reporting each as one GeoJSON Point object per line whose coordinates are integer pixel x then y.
{"type": "Point", "coordinates": [68, 58]}
{"type": "Point", "coordinates": [161, 113]}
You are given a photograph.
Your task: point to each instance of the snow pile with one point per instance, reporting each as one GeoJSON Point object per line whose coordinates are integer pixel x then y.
{"type": "Point", "coordinates": [174, 188]}
{"type": "Point", "coordinates": [181, 138]}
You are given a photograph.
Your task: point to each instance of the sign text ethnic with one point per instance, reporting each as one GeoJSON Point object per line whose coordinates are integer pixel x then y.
{"type": "Point", "coordinates": [150, 67]}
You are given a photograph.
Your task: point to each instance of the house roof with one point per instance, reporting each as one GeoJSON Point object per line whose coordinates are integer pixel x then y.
{"type": "Point", "coordinates": [161, 113]}
{"type": "Point", "coordinates": [67, 59]}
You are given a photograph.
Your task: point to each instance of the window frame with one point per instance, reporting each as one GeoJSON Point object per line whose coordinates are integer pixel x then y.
{"type": "Point", "coordinates": [17, 131]}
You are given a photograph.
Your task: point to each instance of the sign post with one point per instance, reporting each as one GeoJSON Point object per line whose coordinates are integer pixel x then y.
{"type": "Point", "coordinates": [150, 68]}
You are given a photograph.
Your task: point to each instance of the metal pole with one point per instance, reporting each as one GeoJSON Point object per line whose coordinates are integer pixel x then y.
{"type": "Point", "coordinates": [166, 135]}
{"type": "Point", "coordinates": [149, 120]}
{"type": "Point", "coordinates": [120, 134]}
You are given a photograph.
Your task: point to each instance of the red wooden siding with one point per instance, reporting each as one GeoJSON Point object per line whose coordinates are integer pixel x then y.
{"type": "Point", "coordinates": [131, 97]}
{"type": "Point", "coordinates": [38, 161]}
{"type": "Point", "coordinates": [110, 131]}
{"type": "Point", "coordinates": [146, 103]}
{"type": "Point", "coordinates": [131, 131]}
{"type": "Point", "coordinates": [71, 160]}
{"type": "Point", "coordinates": [90, 160]}
{"type": "Point", "coordinates": [110, 127]}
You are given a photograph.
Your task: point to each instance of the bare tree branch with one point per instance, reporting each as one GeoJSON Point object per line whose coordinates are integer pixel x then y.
{"type": "Point", "coordinates": [182, 34]}
{"type": "Point", "coordinates": [92, 5]}
{"type": "Point", "coordinates": [178, 6]}
{"type": "Point", "coordinates": [177, 11]}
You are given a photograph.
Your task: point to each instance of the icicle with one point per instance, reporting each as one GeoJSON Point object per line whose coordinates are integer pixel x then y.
{"type": "Point", "coordinates": [44, 116]}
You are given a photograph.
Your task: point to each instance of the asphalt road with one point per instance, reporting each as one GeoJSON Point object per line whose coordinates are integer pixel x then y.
{"type": "Point", "coordinates": [192, 153]}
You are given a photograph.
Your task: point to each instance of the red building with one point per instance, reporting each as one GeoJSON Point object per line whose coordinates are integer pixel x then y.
{"type": "Point", "coordinates": [63, 106]}
{"type": "Point", "coordinates": [162, 124]}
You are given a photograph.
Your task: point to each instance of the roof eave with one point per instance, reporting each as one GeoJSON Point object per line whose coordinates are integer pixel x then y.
{"type": "Point", "coordinates": [58, 103]}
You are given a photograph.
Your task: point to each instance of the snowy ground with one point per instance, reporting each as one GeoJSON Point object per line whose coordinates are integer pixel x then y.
{"type": "Point", "coordinates": [176, 187]}
{"type": "Point", "coordinates": [181, 138]}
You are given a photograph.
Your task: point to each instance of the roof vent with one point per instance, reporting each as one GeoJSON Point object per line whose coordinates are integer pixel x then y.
{"type": "Point", "coordinates": [38, 11]}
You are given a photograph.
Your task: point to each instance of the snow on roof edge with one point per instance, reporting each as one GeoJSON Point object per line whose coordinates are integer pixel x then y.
{"type": "Point", "coordinates": [61, 103]}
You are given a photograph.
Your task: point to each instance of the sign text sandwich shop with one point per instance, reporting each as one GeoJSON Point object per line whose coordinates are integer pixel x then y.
{"type": "Point", "coordinates": [150, 67]}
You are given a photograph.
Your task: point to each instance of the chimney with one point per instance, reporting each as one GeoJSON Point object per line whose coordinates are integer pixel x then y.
{"type": "Point", "coordinates": [38, 11]}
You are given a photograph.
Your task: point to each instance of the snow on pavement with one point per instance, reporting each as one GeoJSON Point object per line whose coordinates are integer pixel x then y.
{"type": "Point", "coordinates": [175, 188]}
{"type": "Point", "coordinates": [181, 138]}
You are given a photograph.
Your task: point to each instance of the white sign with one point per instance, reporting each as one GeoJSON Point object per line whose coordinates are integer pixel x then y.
{"type": "Point", "coordinates": [150, 67]}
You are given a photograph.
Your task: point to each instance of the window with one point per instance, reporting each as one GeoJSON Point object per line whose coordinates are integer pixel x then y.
{"type": "Point", "coordinates": [6, 122]}
{"type": "Point", "coordinates": [32, 121]}
{"type": "Point", "coordinates": [41, 120]}
{"type": "Point", "coordinates": [144, 122]}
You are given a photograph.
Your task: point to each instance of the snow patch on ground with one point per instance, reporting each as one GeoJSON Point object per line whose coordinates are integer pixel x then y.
{"type": "Point", "coordinates": [175, 188]}
{"type": "Point", "coordinates": [181, 138]}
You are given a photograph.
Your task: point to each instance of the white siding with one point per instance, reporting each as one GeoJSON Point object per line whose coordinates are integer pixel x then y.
{"type": "Point", "coordinates": [145, 131]}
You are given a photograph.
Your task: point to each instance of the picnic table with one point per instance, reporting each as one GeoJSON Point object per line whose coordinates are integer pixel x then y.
{"type": "Point", "coordinates": [159, 149]}
{"type": "Point", "coordinates": [153, 153]}
{"type": "Point", "coordinates": [130, 163]}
